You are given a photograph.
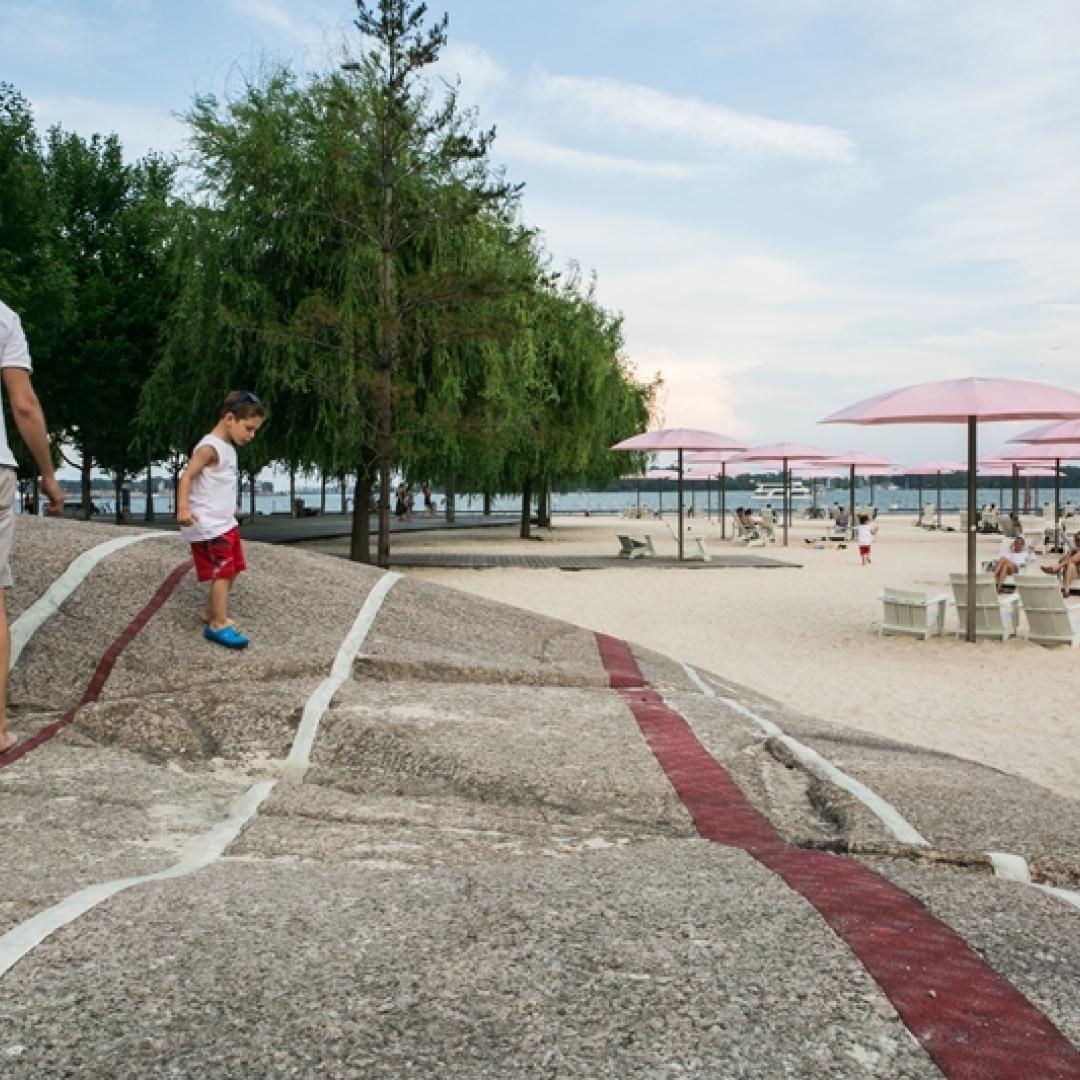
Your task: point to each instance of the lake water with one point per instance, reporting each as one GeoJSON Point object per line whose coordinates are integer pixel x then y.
{"type": "Point", "coordinates": [615, 502]}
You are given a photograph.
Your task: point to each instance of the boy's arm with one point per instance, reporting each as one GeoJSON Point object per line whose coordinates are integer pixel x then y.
{"type": "Point", "coordinates": [30, 420]}
{"type": "Point", "coordinates": [203, 457]}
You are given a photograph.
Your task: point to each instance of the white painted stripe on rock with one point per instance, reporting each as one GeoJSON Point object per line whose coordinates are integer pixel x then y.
{"type": "Point", "coordinates": [1009, 867]}
{"type": "Point", "coordinates": [887, 814]}
{"type": "Point", "coordinates": [698, 681]}
{"type": "Point", "coordinates": [296, 765]}
{"type": "Point", "coordinates": [200, 851]}
{"type": "Point", "coordinates": [1006, 866]}
{"type": "Point", "coordinates": [31, 620]}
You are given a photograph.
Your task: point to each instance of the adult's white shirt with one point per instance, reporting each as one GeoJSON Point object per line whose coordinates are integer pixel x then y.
{"type": "Point", "coordinates": [14, 352]}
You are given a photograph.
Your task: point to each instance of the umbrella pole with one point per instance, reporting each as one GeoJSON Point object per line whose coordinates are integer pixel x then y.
{"type": "Point", "coordinates": [1057, 496]}
{"type": "Point", "coordinates": [680, 507]}
{"type": "Point", "coordinates": [939, 501]}
{"type": "Point", "coordinates": [918, 520]}
{"type": "Point", "coordinates": [723, 507]}
{"type": "Point", "coordinates": [851, 502]}
{"type": "Point", "coordinates": [972, 498]}
{"type": "Point", "coordinates": [1016, 489]}
{"type": "Point", "coordinates": [786, 476]}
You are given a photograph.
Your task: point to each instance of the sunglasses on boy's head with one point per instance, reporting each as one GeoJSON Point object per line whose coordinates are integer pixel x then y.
{"type": "Point", "coordinates": [244, 398]}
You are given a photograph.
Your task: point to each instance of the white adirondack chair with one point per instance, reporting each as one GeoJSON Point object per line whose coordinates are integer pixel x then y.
{"type": "Point", "coordinates": [995, 616]}
{"type": "Point", "coordinates": [913, 614]}
{"type": "Point", "coordinates": [1051, 621]}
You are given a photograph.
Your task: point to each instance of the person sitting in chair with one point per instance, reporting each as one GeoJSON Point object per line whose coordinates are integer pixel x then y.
{"type": "Point", "coordinates": [1067, 566]}
{"type": "Point", "coordinates": [1016, 556]}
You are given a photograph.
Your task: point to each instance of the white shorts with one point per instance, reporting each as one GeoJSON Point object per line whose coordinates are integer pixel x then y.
{"type": "Point", "coordinates": [8, 486]}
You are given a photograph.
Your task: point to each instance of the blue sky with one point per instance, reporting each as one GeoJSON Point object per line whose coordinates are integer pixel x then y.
{"type": "Point", "coordinates": [794, 203]}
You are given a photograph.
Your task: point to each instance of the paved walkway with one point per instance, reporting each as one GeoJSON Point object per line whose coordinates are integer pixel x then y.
{"type": "Point", "coordinates": [485, 560]}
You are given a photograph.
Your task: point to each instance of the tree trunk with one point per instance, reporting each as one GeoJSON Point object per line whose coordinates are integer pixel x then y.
{"type": "Point", "coordinates": [292, 492]}
{"type": "Point", "coordinates": [118, 490]}
{"type": "Point", "coordinates": [85, 493]}
{"type": "Point", "coordinates": [451, 503]}
{"type": "Point", "coordinates": [360, 538]}
{"type": "Point", "coordinates": [148, 512]}
{"type": "Point", "coordinates": [322, 493]}
{"type": "Point", "coordinates": [487, 504]}
{"type": "Point", "coordinates": [526, 510]}
{"type": "Point", "coordinates": [385, 441]}
{"type": "Point", "coordinates": [543, 508]}
{"type": "Point", "coordinates": [344, 508]}
{"type": "Point", "coordinates": [251, 495]}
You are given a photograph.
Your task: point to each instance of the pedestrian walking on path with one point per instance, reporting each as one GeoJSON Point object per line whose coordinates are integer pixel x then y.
{"type": "Point", "coordinates": [30, 420]}
{"type": "Point", "coordinates": [206, 511]}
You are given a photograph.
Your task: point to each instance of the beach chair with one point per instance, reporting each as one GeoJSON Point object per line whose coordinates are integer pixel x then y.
{"type": "Point", "coordinates": [913, 614]}
{"type": "Point", "coordinates": [635, 547]}
{"type": "Point", "coordinates": [995, 616]}
{"type": "Point", "coordinates": [928, 520]}
{"type": "Point", "coordinates": [768, 524]}
{"type": "Point", "coordinates": [703, 554]}
{"type": "Point", "coordinates": [1051, 621]}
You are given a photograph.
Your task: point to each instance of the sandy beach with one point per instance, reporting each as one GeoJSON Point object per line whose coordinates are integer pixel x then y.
{"type": "Point", "coordinates": [808, 637]}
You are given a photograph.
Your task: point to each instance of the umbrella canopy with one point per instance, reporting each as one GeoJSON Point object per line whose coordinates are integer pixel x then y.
{"type": "Point", "coordinates": [1060, 431]}
{"type": "Point", "coordinates": [934, 468]}
{"type": "Point", "coordinates": [864, 463]}
{"type": "Point", "coordinates": [680, 440]}
{"type": "Point", "coordinates": [783, 452]}
{"type": "Point", "coordinates": [1048, 453]}
{"type": "Point", "coordinates": [964, 401]}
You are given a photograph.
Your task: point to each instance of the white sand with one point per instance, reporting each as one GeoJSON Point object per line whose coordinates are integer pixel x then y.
{"type": "Point", "coordinates": [808, 637]}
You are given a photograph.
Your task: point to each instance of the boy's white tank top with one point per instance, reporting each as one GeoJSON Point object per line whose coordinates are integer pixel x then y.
{"type": "Point", "coordinates": [213, 494]}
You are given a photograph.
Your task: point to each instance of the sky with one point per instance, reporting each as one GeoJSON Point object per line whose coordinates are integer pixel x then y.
{"type": "Point", "coordinates": [794, 204]}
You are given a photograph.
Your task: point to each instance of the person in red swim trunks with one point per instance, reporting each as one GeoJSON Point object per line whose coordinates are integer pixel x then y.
{"type": "Point", "coordinates": [206, 511]}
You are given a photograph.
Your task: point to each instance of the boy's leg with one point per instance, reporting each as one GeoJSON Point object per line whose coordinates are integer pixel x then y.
{"type": "Point", "coordinates": [218, 602]}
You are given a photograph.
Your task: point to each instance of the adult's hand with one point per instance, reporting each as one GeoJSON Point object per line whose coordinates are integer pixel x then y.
{"type": "Point", "coordinates": [55, 495]}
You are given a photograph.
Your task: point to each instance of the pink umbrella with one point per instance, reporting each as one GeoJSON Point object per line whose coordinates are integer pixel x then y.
{"type": "Point", "coordinates": [865, 463]}
{"type": "Point", "coordinates": [934, 468]}
{"type": "Point", "coordinates": [679, 439]}
{"type": "Point", "coordinates": [964, 401]}
{"type": "Point", "coordinates": [1060, 431]}
{"type": "Point", "coordinates": [721, 458]}
{"type": "Point", "coordinates": [783, 452]}
{"type": "Point", "coordinates": [1046, 452]}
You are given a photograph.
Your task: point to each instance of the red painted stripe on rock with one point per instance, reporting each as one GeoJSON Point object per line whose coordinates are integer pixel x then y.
{"type": "Point", "coordinates": [974, 1023]}
{"type": "Point", "coordinates": [103, 670]}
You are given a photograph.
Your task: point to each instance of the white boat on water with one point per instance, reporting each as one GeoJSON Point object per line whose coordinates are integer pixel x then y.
{"type": "Point", "coordinates": [774, 491]}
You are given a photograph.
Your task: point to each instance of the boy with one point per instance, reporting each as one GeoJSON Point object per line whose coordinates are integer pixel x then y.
{"type": "Point", "coordinates": [866, 535]}
{"type": "Point", "coordinates": [206, 511]}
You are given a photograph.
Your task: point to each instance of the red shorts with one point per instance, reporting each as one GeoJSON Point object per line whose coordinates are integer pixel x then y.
{"type": "Point", "coordinates": [863, 550]}
{"type": "Point", "coordinates": [219, 558]}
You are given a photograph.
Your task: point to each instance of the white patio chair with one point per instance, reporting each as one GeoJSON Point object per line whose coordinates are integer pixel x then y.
{"type": "Point", "coordinates": [913, 614]}
{"type": "Point", "coordinates": [635, 547]}
{"type": "Point", "coordinates": [1051, 621]}
{"type": "Point", "coordinates": [995, 615]}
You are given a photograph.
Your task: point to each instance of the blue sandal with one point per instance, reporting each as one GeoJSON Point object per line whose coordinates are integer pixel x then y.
{"type": "Point", "coordinates": [226, 636]}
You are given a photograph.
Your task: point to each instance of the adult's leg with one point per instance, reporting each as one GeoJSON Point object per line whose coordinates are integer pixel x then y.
{"type": "Point", "coordinates": [6, 741]}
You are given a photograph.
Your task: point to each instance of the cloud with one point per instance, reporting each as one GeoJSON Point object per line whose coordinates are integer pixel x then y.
{"type": "Point", "coordinates": [140, 128]}
{"type": "Point", "coordinates": [50, 33]}
{"type": "Point", "coordinates": [537, 151]}
{"type": "Point", "coordinates": [612, 104]}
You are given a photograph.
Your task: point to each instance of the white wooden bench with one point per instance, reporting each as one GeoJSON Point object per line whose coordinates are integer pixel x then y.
{"type": "Point", "coordinates": [635, 547]}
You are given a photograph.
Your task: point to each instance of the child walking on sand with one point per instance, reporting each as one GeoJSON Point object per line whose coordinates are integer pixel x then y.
{"type": "Point", "coordinates": [206, 511]}
{"type": "Point", "coordinates": [866, 534]}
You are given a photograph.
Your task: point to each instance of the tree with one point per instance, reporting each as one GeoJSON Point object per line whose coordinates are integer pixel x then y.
{"type": "Point", "coordinates": [428, 171]}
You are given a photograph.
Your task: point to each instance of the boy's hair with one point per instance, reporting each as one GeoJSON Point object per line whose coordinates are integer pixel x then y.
{"type": "Point", "coordinates": [864, 518]}
{"type": "Point", "coordinates": [243, 404]}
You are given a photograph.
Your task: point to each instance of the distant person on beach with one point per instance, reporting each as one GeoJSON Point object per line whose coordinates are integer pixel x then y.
{"type": "Point", "coordinates": [866, 534]}
{"type": "Point", "coordinates": [1067, 566]}
{"type": "Point", "coordinates": [30, 420]}
{"type": "Point", "coordinates": [410, 500]}
{"type": "Point", "coordinates": [399, 501]}
{"type": "Point", "coordinates": [1015, 556]}
{"type": "Point", "coordinates": [206, 511]}
{"type": "Point", "coordinates": [840, 522]}
{"type": "Point", "coordinates": [429, 502]}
